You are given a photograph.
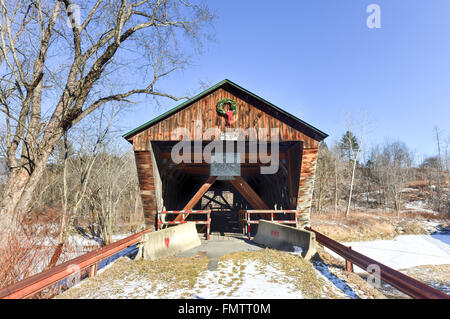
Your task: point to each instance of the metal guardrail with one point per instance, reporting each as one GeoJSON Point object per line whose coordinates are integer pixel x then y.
{"type": "Point", "coordinates": [36, 283]}
{"type": "Point", "coordinates": [402, 282]}
{"type": "Point", "coordinates": [184, 214]}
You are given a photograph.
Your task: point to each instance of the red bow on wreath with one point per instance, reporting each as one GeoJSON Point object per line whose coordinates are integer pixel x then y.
{"type": "Point", "coordinates": [229, 115]}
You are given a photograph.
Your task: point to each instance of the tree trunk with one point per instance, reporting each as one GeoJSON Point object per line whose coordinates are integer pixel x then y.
{"type": "Point", "coordinates": [11, 195]}
{"type": "Point", "coordinates": [335, 188]}
{"type": "Point", "coordinates": [398, 200]}
{"type": "Point", "coordinates": [18, 194]}
{"type": "Point", "coordinates": [347, 211]}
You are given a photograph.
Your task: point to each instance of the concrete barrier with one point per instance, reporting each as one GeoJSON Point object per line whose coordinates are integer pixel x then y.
{"type": "Point", "coordinates": [286, 238]}
{"type": "Point", "coordinates": [168, 242]}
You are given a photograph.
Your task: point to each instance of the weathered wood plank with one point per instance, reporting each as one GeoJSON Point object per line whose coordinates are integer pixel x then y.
{"type": "Point", "coordinates": [248, 193]}
{"type": "Point", "coordinates": [306, 185]}
{"type": "Point", "coordinates": [249, 115]}
{"type": "Point", "coordinates": [146, 182]}
{"type": "Point", "coordinates": [196, 198]}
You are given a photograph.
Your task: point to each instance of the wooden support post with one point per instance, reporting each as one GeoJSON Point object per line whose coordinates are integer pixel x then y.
{"type": "Point", "coordinates": [144, 168]}
{"type": "Point", "coordinates": [290, 177]}
{"type": "Point", "coordinates": [293, 159]}
{"type": "Point", "coordinates": [93, 270]}
{"type": "Point", "coordinates": [208, 225]}
{"type": "Point", "coordinates": [248, 193]}
{"type": "Point", "coordinates": [348, 264]}
{"type": "Point", "coordinates": [306, 185]}
{"type": "Point", "coordinates": [194, 200]}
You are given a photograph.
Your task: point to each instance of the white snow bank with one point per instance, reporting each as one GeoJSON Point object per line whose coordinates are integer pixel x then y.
{"type": "Point", "coordinates": [405, 251]}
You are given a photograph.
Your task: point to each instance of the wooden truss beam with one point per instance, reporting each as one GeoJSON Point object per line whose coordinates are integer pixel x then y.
{"type": "Point", "coordinates": [213, 199]}
{"type": "Point", "coordinates": [248, 193]}
{"type": "Point", "coordinates": [194, 200]}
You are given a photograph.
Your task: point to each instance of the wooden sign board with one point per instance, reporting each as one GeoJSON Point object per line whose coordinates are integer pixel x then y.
{"type": "Point", "coordinates": [225, 165]}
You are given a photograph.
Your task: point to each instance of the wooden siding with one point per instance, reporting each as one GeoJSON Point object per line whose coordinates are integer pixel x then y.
{"type": "Point", "coordinates": [144, 168]}
{"type": "Point", "coordinates": [306, 185]}
{"type": "Point", "coordinates": [250, 114]}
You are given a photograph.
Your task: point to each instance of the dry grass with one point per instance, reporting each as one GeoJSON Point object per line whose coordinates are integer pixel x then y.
{"type": "Point", "coordinates": [364, 226]}
{"type": "Point", "coordinates": [163, 276]}
{"type": "Point", "coordinates": [21, 258]}
{"type": "Point", "coordinates": [354, 228]}
{"type": "Point", "coordinates": [26, 252]}
{"type": "Point", "coordinates": [437, 276]}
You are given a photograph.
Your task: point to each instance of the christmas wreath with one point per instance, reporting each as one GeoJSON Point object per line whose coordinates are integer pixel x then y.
{"type": "Point", "coordinates": [227, 112]}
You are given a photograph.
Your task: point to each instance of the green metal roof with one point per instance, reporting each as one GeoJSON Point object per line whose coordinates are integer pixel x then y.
{"type": "Point", "coordinates": [319, 133]}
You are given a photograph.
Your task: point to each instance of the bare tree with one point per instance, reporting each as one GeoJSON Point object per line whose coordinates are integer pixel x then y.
{"type": "Point", "coordinates": [108, 190]}
{"type": "Point", "coordinates": [74, 190]}
{"type": "Point", "coordinates": [350, 145]}
{"type": "Point", "coordinates": [394, 170]}
{"type": "Point", "coordinates": [55, 74]}
{"type": "Point", "coordinates": [323, 177]}
{"type": "Point", "coordinates": [439, 170]}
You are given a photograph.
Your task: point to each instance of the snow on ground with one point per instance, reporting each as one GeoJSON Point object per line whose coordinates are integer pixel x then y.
{"type": "Point", "coordinates": [339, 283]}
{"type": "Point", "coordinates": [117, 237]}
{"type": "Point", "coordinates": [250, 277]}
{"type": "Point", "coordinates": [80, 241]}
{"type": "Point", "coordinates": [253, 281]}
{"type": "Point", "coordinates": [267, 274]}
{"type": "Point", "coordinates": [409, 190]}
{"type": "Point", "coordinates": [419, 205]}
{"type": "Point", "coordinates": [405, 251]}
{"type": "Point", "coordinates": [80, 245]}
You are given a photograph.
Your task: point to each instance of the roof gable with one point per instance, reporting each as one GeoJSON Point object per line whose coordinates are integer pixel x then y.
{"type": "Point", "coordinates": [246, 95]}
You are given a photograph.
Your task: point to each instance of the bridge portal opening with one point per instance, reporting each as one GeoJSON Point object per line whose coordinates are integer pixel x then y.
{"type": "Point", "coordinates": [168, 184]}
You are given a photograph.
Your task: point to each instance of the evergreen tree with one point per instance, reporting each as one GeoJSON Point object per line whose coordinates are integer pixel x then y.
{"type": "Point", "coordinates": [349, 146]}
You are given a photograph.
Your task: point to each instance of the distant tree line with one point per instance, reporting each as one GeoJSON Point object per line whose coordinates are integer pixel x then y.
{"type": "Point", "coordinates": [378, 180]}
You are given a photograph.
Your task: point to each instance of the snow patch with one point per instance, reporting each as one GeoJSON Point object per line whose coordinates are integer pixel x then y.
{"type": "Point", "coordinates": [338, 283]}
{"type": "Point", "coordinates": [254, 281]}
{"type": "Point", "coordinates": [405, 251]}
{"type": "Point", "coordinates": [419, 205]}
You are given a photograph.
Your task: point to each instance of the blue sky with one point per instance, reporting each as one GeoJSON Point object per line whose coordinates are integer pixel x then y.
{"type": "Point", "coordinates": [318, 60]}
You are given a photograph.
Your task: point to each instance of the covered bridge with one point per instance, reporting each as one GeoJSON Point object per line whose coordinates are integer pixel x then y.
{"type": "Point", "coordinates": [270, 166]}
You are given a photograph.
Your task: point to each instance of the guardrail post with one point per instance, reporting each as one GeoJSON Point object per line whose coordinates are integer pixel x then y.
{"type": "Point", "coordinates": [93, 270]}
{"type": "Point", "coordinates": [208, 225]}
{"type": "Point", "coordinates": [248, 225]}
{"type": "Point", "coordinates": [348, 263]}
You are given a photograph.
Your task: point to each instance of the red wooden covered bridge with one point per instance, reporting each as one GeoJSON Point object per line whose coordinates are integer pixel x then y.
{"type": "Point", "coordinates": [230, 152]}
